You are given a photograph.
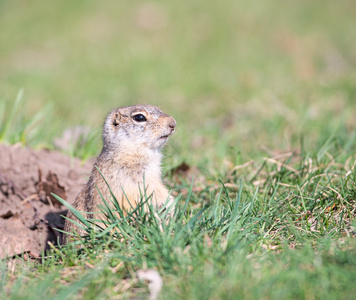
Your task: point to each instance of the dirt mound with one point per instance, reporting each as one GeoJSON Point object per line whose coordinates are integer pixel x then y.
{"type": "Point", "coordinates": [29, 215]}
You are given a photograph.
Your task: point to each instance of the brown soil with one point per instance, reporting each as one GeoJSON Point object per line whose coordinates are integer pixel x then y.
{"type": "Point", "coordinates": [29, 214]}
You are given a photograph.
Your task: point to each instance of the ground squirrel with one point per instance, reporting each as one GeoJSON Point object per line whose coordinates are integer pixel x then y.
{"type": "Point", "coordinates": [133, 137]}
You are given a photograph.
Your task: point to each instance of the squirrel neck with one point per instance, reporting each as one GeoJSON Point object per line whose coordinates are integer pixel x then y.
{"type": "Point", "coordinates": [133, 163]}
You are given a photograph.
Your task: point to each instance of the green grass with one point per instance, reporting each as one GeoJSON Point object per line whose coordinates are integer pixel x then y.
{"type": "Point", "coordinates": [266, 241]}
{"type": "Point", "coordinates": [264, 96]}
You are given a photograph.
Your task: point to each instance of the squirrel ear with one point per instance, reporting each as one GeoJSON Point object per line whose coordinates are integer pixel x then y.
{"type": "Point", "coordinates": [116, 119]}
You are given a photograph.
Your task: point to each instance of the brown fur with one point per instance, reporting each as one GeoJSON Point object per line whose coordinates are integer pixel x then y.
{"type": "Point", "coordinates": [131, 153]}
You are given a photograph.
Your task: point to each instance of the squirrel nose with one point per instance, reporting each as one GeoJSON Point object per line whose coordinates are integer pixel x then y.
{"type": "Point", "coordinates": [172, 124]}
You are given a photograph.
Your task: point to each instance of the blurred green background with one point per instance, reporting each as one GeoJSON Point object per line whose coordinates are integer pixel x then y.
{"type": "Point", "coordinates": [241, 75]}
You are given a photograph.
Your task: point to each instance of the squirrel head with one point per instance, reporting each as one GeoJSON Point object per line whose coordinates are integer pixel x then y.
{"type": "Point", "coordinates": [136, 128]}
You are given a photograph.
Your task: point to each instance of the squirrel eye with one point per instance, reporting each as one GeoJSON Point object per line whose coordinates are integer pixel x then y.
{"type": "Point", "coordinates": [139, 118]}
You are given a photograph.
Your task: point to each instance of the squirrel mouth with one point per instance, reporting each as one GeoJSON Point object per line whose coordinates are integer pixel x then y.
{"type": "Point", "coordinates": [165, 137]}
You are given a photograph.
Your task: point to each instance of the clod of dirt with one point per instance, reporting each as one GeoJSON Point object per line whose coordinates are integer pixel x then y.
{"type": "Point", "coordinates": [26, 222]}
{"type": "Point", "coordinates": [49, 186]}
{"type": "Point", "coordinates": [186, 173]}
{"type": "Point", "coordinates": [182, 168]}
